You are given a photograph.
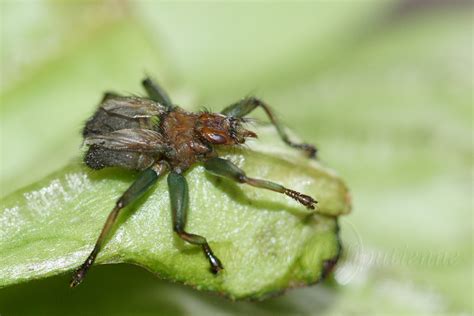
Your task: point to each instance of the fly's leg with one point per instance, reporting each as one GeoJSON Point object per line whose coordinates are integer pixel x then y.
{"type": "Point", "coordinates": [109, 95]}
{"type": "Point", "coordinates": [247, 105]}
{"type": "Point", "coordinates": [146, 179]}
{"type": "Point", "coordinates": [224, 168]}
{"type": "Point", "coordinates": [156, 92]}
{"type": "Point", "coordinates": [179, 197]}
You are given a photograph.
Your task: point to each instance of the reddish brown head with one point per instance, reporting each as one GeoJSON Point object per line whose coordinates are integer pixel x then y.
{"type": "Point", "coordinates": [219, 129]}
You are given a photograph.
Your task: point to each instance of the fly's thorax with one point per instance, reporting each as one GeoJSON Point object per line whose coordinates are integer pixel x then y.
{"type": "Point", "coordinates": [185, 147]}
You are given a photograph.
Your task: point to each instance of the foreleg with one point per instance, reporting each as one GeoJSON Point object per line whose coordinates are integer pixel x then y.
{"type": "Point", "coordinates": [247, 105]}
{"type": "Point", "coordinates": [224, 168]}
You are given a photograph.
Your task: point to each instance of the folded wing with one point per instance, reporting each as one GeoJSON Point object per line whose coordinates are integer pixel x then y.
{"type": "Point", "coordinates": [132, 107]}
{"type": "Point", "coordinates": [134, 139]}
{"type": "Point", "coordinates": [117, 112]}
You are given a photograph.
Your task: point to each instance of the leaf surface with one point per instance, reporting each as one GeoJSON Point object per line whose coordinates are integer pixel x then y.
{"type": "Point", "coordinates": [266, 241]}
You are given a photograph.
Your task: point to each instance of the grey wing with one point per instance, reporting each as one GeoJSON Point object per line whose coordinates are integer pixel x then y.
{"type": "Point", "coordinates": [132, 107]}
{"type": "Point", "coordinates": [135, 139]}
{"type": "Point", "coordinates": [117, 112]}
{"type": "Point", "coordinates": [135, 149]}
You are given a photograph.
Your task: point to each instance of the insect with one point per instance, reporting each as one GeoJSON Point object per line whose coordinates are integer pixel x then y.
{"type": "Point", "coordinates": [156, 137]}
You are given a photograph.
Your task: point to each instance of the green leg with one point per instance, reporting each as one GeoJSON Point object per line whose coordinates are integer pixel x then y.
{"type": "Point", "coordinates": [224, 168]}
{"type": "Point", "coordinates": [247, 105]}
{"type": "Point", "coordinates": [146, 179]}
{"type": "Point", "coordinates": [156, 93]}
{"type": "Point", "coordinates": [179, 197]}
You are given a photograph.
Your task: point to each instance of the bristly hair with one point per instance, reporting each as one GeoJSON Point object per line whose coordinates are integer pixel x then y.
{"type": "Point", "coordinates": [249, 120]}
{"type": "Point", "coordinates": [135, 95]}
{"type": "Point", "coordinates": [234, 125]}
{"type": "Point", "coordinates": [205, 110]}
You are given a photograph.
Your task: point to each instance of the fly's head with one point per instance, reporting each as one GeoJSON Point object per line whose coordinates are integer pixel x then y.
{"type": "Point", "coordinates": [219, 129]}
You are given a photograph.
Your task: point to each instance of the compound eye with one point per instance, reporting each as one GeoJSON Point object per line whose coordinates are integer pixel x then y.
{"type": "Point", "coordinates": [217, 139]}
{"type": "Point", "coordinates": [214, 137]}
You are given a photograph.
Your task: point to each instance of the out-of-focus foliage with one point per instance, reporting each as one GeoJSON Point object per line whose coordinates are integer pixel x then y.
{"type": "Point", "coordinates": [385, 93]}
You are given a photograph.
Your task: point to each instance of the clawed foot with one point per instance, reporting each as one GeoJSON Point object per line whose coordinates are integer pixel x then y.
{"type": "Point", "coordinates": [309, 150]}
{"type": "Point", "coordinates": [78, 276]}
{"type": "Point", "coordinates": [304, 199]}
{"type": "Point", "coordinates": [216, 264]}
{"type": "Point", "coordinates": [307, 201]}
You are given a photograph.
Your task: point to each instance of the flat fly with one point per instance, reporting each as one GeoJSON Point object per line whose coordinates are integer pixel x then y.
{"type": "Point", "coordinates": [156, 137]}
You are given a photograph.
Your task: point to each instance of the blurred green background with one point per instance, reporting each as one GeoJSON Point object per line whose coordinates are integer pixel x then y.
{"type": "Point", "coordinates": [384, 88]}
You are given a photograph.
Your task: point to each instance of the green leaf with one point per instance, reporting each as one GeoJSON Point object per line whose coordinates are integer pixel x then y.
{"type": "Point", "coordinates": [266, 241]}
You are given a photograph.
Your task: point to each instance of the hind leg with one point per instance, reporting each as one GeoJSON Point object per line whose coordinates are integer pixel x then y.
{"type": "Point", "coordinates": [156, 92]}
